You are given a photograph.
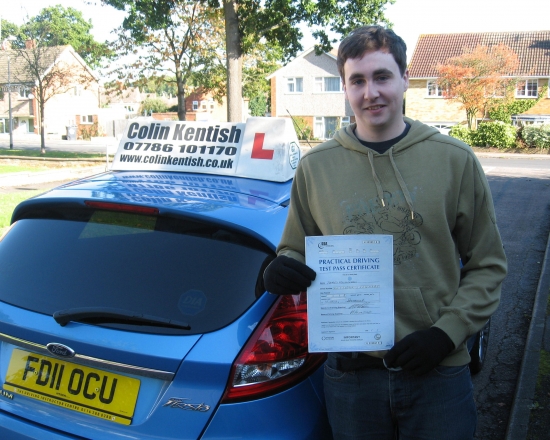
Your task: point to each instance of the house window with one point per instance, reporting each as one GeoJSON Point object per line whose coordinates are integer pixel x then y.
{"type": "Point", "coordinates": [434, 90]}
{"type": "Point", "coordinates": [24, 92]}
{"type": "Point", "coordinates": [195, 105]}
{"type": "Point", "coordinates": [77, 91]}
{"type": "Point", "coordinates": [325, 127]}
{"type": "Point", "coordinates": [86, 119]}
{"type": "Point", "coordinates": [527, 88]}
{"type": "Point", "coordinates": [328, 84]}
{"type": "Point", "coordinates": [344, 121]}
{"type": "Point", "coordinates": [294, 85]}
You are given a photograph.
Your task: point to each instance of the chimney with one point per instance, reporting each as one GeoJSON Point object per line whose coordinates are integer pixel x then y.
{"type": "Point", "coordinates": [30, 44]}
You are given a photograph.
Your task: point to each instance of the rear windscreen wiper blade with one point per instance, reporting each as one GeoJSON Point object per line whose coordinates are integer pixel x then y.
{"type": "Point", "coordinates": [110, 315]}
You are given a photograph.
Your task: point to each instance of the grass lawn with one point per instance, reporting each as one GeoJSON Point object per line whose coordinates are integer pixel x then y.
{"type": "Point", "coordinates": [55, 154]}
{"type": "Point", "coordinates": [5, 169]}
{"type": "Point", "coordinates": [8, 202]}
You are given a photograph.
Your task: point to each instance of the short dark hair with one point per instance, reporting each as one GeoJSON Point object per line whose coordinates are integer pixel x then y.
{"type": "Point", "coordinates": [367, 38]}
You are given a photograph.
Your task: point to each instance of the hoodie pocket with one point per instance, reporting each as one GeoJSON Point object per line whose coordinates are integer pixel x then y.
{"type": "Point", "coordinates": [411, 313]}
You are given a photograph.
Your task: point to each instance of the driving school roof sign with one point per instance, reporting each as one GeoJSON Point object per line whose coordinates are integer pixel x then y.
{"type": "Point", "coordinates": [263, 148]}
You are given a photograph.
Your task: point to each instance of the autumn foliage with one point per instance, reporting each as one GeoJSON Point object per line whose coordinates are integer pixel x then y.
{"type": "Point", "coordinates": [477, 77]}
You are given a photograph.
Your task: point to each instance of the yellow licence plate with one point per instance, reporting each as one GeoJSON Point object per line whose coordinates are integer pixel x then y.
{"type": "Point", "coordinates": [88, 390]}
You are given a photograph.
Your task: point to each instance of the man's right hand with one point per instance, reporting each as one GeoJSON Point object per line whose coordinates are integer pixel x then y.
{"type": "Point", "coordinates": [287, 276]}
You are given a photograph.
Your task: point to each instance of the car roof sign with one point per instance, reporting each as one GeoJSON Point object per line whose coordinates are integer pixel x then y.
{"type": "Point", "coordinates": [261, 148]}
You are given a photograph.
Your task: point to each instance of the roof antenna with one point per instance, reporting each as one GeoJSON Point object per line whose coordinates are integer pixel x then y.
{"type": "Point", "coordinates": [297, 126]}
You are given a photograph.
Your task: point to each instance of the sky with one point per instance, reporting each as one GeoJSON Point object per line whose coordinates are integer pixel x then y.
{"type": "Point", "coordinates": [409, 17]}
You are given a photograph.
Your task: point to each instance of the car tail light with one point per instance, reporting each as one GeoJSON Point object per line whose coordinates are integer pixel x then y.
{"type": "Point", "coordinates": [122, 207]}
{"type": "Point", "coordinates": [275, 357]}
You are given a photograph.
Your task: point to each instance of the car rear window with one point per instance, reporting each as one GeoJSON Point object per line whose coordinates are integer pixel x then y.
{"type": "Point", "coordinates": [176, 269]}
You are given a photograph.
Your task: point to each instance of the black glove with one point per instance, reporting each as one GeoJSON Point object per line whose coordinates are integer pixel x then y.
{"type": "Point", "coordinates": [287, 276]}
{"type": "Point", "coordinates": [420, 352]}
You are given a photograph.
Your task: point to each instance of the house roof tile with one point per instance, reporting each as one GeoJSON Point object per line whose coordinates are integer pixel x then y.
{"type": "Point", "coordinates": [532, 48]}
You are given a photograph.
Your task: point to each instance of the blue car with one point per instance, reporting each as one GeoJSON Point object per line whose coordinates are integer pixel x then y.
{"type": "Point", "coordinates": [132, 303]}
{"type": "Point", "coordinates": [132, 306]}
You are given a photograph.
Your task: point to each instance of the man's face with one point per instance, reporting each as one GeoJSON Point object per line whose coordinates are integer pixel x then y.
{"type": "Point", "coordinates": [374, 88]}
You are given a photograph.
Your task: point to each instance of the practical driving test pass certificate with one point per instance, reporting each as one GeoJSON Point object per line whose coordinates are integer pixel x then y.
{"type": "Point", "coordinates": [350, 303]}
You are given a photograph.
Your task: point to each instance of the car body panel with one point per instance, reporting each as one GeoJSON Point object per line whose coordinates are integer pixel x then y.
{"type": "Point", "coordinates": [282, 417]}
{"type": "Point", "coordinates": [199, 380]}
{"type": "Point", "coordinates": [239, 202]}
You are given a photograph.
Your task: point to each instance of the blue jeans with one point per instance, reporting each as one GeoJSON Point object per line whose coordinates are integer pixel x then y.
{"type": "Point", "coordinates": [375, 403]}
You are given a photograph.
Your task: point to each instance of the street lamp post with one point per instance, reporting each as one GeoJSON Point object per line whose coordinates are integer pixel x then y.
{"type": "Point", "coordinates": [9, 105]}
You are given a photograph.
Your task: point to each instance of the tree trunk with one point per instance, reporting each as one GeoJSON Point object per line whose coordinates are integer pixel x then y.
{"type": "Point", "coordinates": [42, 130]}
{"type": "Point", "coordinates": [234, 62]}
{"type": "Point", "coordinates": [181, 92]}
{"type": "Point", "coordinates": [181, 103]}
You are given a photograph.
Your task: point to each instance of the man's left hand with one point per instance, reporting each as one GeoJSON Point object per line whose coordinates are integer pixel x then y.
{"type": "Point", "coordinates": [420, 352]}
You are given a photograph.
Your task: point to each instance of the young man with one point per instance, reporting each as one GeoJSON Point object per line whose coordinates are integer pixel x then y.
{"type": "Point", "coordinates": [387, 174]}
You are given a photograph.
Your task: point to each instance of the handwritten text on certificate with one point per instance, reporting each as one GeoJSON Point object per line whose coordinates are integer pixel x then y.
{"type": "Point", "coordinates": [350, 303]}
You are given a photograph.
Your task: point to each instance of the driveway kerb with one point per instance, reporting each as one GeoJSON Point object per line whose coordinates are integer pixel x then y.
{"type": "Point", "coordinates": [518, 423]}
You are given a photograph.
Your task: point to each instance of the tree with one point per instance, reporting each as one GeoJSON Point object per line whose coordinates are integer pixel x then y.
{"type": "Point", "coordinates": [191, 38]}
{"type": "Point", "coordinates": [46, 70]}
{"type": "Point", "coordinates": [8, 29]}
{"type": "Point", "coordinates": [59, 26]}
{"type": "Point", "coordinates": [477, 78]}
{"type": "Point", "coordinates": [257, 65]}
{"type": "Point", "coordinates": [274, 22]}
{"type": "Point", "coordinates": [153, 105]}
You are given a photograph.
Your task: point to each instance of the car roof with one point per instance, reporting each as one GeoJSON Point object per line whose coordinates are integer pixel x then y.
{"type": "Point", "coordinates": [256, 207]}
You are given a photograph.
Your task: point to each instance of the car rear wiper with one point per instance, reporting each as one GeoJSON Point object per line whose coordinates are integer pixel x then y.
{"type": "Point", "coordinates": [110, 315]}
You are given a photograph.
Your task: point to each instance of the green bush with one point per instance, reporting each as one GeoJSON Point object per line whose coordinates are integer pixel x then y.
{"type": "Point", "coordinates": [503, 111]}
{"type": "Point", "coordinates": [258, 105]}
{"type": "Point", "coordinates": [461, 132]}
{"type": "Point", "coordinates": [153, 105]}
{"type": "Point", "coordinates": [537, 136]}
{"type": "Point", "coordinates": [495, 134]}
{"type": "Point", "coordinates": [303, 130]}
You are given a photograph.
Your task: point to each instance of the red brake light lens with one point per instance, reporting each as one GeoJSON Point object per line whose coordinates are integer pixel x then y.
{"type": "Point", "coordinates": [122, 207]}
{"type": "Point", "coordinates": [276, 356]}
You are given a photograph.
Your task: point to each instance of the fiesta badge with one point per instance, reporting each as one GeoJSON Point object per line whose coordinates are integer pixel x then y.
{"type": "Point", "coordinates": [60, 350]}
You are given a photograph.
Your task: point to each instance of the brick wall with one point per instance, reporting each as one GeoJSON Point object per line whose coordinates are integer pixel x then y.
{"type": "Point", "coordinates": [419, 106]}
{"type": "Point", "coordinates": [86, 130]}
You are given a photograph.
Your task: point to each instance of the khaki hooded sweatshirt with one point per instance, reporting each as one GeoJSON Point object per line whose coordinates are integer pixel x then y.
{"type": "Point", "coordinates": [430, 192]}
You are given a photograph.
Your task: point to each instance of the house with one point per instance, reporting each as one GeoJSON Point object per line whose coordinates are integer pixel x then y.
{"type": "Point", "coordinates": [201, 106]}
{"type": "Point", "coordinates": [76, 98]}
{"type": "Point", "coordinates": [122, 102]}
{"type": "Point", "coordinates": [125, 103]}
{"type": "Point", "coordinates": [424, 99]}
{"type": "Point", "coordinates": [309, 88]}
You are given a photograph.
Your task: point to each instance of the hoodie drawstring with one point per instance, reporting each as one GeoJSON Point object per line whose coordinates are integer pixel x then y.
{"type": "Point", "coordinates": [400, 180]}
{"type": "Point", "coordinates": [376, 179]}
